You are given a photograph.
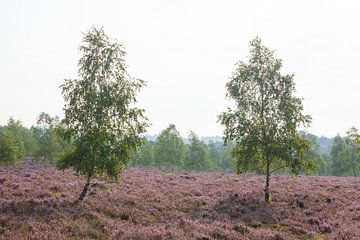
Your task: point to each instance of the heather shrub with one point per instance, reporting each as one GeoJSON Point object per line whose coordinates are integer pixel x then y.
{"type": "Point", "coordinates": [241, 228]}
{"type": "Point", "coordinates": [149, 205]}
{"type": "Point", "coordinates": [256, 223]}
{"type": "Point", "coordinates": [318, 237]}
{"type": "Point", "coordinates": [39, 179]}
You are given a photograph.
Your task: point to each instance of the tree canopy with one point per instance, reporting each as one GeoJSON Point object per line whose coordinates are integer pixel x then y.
{"type": "Point", "coordinates": [101, 122]}
{"type": "Point", "coordinates": [9, 148]}
{"type": "Point", "coordinates": [197, 154]}
{"type": "Point", "coordinates": [169, 148]}
{"type": "Point", "coordinates": [264, 122]}
{"type": "Point", "coordinates": [145, 156]}
{"type": "Point", "coordinates": [345, 154]}
{"type": "Point", "coordinates": [48, 144]}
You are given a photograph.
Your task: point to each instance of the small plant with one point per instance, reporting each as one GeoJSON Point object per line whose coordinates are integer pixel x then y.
{"type": "Point", "coordinates": [256, 223]}
{"type": "Point", "coordinates": [318, 237]}
{"type": "Point", "coordinates": [240, 228]}
{"type": "Point", "coordinates": [39, 179]}
{"type": "Point", "coordinates": [270, 198]}
{"type": "Point", "coordinates": [169, 174]}
{"type": "Point", "coordinates": [103, 187]}
{"type": "Point", "coordinates": [276, 226]}
{"type": "Point", "coordinates": [197, 214]}
{"type": "Point", "coordinates": [58, 195]}
{"type": "Point", "coordinates": [200, 202]}
{"type": "Point", "coordinates": [294, 177]}
{"type": "Point", "coordinates": [93, 233]}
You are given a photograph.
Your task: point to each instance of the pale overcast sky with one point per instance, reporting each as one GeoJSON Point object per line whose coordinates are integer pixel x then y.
{"type": "Point", "coordinates": [186, 51]}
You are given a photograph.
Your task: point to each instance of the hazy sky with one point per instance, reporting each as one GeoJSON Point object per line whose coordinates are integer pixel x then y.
{"type": "Point", "coordinates": [186, 51]}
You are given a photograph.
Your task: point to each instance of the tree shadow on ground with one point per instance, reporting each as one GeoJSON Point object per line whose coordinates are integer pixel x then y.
{"type": "Point", "coordinates": [44, 208]}
{"type": "Point", "coordinates": [248, 209]}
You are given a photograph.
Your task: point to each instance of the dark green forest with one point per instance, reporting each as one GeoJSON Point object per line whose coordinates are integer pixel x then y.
{"type": "Point", "coordinates": [168, 150]}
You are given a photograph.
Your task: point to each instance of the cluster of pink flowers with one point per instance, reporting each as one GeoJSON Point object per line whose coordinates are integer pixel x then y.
{"type": "Point", "coordinates": [36, 203]}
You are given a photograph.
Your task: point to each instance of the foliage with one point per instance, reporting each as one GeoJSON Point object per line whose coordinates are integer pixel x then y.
{"type": "Point", "coordinates": [16, 142]}
{"type": "Point", "coordinates": [14, 129]}
{"type": "Point", "coordinates": [267, 114]}
{"type": "Point", "coordinates": [48, 144]}
{"type": "Point", "coordinates": [169, 148]}
{"type": "Point", "coordinates": [220, 156]}
{"type": "Point", "coordinates": [9, 149]}
{"type": "Point", "coordinates": [100, 120]}
{"type": "Point", "coordinates": [197, 154]}
{"type": "Point", "coordinates": [145, 156]}
{"type": "Point", "coordinates": [325, 145]}
{"type": "Point", "coordinates": [23, 139]}
{"type": "Point", "coordinates": [29, 141]}
{"type": "Point", "coordinates": [338, 166]}
{"type": "Point", "coordinates": [314, 162]}
{"type": "Point", "coordinates": [353, 137]}
{"type": "Point", "coordinates": [345, 158]}
{"type": "Point", "coordinates": [354, 134]}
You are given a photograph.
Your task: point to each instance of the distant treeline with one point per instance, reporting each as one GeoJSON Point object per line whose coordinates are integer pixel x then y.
{"type": "Point", "coordinates": [170, 151]}
{"type": "Point", "coordinates": [331, 156]}
{"type": "Point", "coordinates": [337, 156]}
{"type": "Point", "coordinates": [41, 142]}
